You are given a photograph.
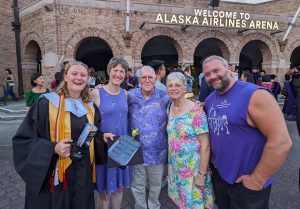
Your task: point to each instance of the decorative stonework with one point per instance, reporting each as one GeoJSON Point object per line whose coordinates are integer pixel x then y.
{"type": "Point", "coordinates": [227, 48]}
{"type": "Point", "coordinates": [74, 41]}
{"type": "Point", "coordinates": [272, 45]}
{"type": "Point", "coordinates": [127, 36]}
{"type": "Point", "coordinates": [144, 37]}
{"type": "Point", "coordinates": [282, 44]}
{"type": "Point", "coordinates": [63, 30]}
{"type": "Point", "coordinates": [290, 47]}
{"type": "Point", "coordinates": [32, 36]}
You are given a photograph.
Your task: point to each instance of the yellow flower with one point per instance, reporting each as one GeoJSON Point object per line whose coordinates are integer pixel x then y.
{"type": "Point", "coordinates": [135, 132]}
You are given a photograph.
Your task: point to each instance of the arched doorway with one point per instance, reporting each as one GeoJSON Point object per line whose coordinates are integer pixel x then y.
{"type": "Point", "coordinates": [295, 57]}
{"type": "Point", "coordinates": [255, 54]}
{"type": "Point", "coordinates": [208, 47]}
{"type": "Point", "coordinates": [31, 62]}
{"type": "Point", "coordinates": [160, 48]}
{"type": "Point", "coordinates": [96, 53]}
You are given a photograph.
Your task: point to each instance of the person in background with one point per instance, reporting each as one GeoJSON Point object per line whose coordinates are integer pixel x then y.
{"type": "Point", "coordinates": [160, 71]}
{"type": "Point", "coordinates": [132, 81]}
{"type": "Point", "coordinates": [179, 69]}
{"type": "Point", "coordinates": [10, 83]}
{"type": "Point", "coordinates": [262, 73]}
{"type": "Point", "coordinates": [137, 71]}
{"type": "Point", "coordinates": [247, 77]}
{"type": "Point", "coordinates": [93, 79]}
{"type": "Point", "coordinates": [58, 174]}
{"type": "Point", "coordinates": [276, 87]}
{"type": "Point", "coordinates": [37, 81]}
{"type": "Point", "coordinates": [234, 72]}
{"type": "Point", "coordinates": [189, 79]}
{"type": "Point", "coordinates": [189, 181]}
{"type": "Point", "coordinates": [288, 90]}
{"type": "Point", "coordinates": [102, 80]}
{"type": "Point", "coordinates": [201, 75]}
{"type": "Point", "coordinates": [256, 75]}
{"type": "Point", "coordinates": [243, 170]}
{"type": "Point", "coordinates": [266, 82]}
{"type": "Point", "coordinates": [293, 70]}
{"type": "Point", "coordinates": [296, 84]}
{"type": "Point", "coordinates": [124, 83]}
{"type": "Point", "coordinates": [111, 101]}
{"type": "Point", "coordinates": [205, 90]}
{"type": "Point", "coordinates": [58, 78]}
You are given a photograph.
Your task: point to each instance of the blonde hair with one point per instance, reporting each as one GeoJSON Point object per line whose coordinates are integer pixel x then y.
{"type": "Point", "coordinates": [62, 89]}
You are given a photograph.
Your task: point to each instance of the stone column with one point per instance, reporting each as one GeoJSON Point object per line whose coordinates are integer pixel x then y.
{"type": "Point", "coordinates": [28, 68]}
{"type": "Point", "coordinates": [185, 63]}
{"type": "Point", "coordinates": [281, 68]}
{"type": "Point", "coordinates": [137, 64]}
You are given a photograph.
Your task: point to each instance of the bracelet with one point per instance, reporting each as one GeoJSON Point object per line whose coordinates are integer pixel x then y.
{"type": "Point", "coordinates": [202, 174]}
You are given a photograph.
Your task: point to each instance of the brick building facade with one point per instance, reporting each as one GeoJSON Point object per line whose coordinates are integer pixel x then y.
{"type": "Point", "coordinates": [7, 39]}
{"type": "Point", "coordinates": [54, 31]}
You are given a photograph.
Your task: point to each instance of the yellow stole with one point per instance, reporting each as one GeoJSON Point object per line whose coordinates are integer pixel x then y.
{"type": "Point", "coordinates": [60, 128]}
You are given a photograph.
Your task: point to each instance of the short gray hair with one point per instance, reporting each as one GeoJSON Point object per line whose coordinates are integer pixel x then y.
{"type": "Point", "coordinates": [177, 75]}
{"type": "Point", "coordinates": [215, 57]}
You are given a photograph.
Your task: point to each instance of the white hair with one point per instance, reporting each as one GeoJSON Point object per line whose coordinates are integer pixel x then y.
{"type": "Point", "coordinates": [177, 75]}
{"type": "Point", "coordinates": [146, 67]}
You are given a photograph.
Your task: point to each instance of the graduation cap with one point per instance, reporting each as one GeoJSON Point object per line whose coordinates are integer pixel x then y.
{"type": "Point", "coordinates": [273, 76]}
{"type": "Point", "coordinates": [155, 64]}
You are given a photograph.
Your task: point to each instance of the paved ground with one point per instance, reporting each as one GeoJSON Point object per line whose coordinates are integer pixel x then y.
{"type": "Point", "coordinates": [285, 191]}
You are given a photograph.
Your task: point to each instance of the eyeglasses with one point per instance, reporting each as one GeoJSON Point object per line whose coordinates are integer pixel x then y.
{"type": "Point", "coordinates": [175, 86]}
{"type": "Point", "coordinates": [149, 78]}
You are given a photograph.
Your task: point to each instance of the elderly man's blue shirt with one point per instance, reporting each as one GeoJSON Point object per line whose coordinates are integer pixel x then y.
{"type": "Point", "coordinates": [150, 117]}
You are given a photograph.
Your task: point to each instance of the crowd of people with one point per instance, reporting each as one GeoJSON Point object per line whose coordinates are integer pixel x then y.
{"type": "Point", "coordinates": [291, 91]}
{"type": "Point", "coordinates": [221, 151]}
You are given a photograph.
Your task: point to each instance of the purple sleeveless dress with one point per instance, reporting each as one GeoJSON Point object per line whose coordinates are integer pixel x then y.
{"type": "Point", "coordinates": [113, 110]}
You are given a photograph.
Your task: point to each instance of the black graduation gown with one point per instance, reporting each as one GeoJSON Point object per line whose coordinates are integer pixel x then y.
{"type": "Point", "coordinates": [34, 160]}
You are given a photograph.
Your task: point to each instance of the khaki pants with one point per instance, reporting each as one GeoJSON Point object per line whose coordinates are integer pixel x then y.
{"type": "Point", "coordinates": [140, 174]}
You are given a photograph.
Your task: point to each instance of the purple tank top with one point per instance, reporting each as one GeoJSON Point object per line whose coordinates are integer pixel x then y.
{"type": "Point", "coordinates": [113, 110]}
{"type": "Point", "coordinates": [236, 146]}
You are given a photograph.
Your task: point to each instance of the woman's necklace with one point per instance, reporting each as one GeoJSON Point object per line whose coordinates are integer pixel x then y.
{"type": "Point", "coordinates": [74, 103]}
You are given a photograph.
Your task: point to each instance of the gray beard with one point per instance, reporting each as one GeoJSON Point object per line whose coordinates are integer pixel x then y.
{"type": "Point", "coordinates": [225, 84]}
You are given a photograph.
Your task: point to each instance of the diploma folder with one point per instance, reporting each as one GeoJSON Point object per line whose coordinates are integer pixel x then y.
{"type": "Point", "coordinates": [86, 135]}
{"type": "Point", "coordinates": [125, 150]}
